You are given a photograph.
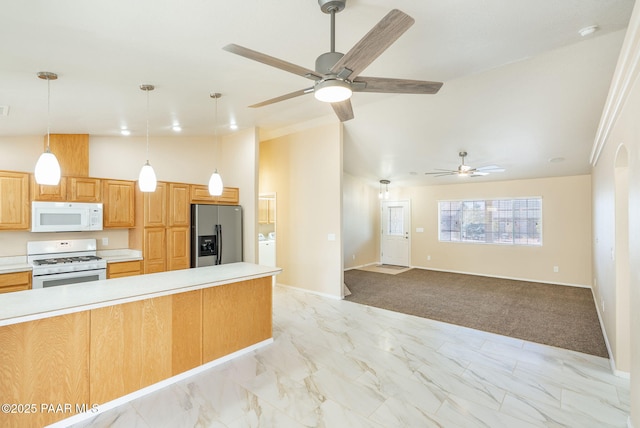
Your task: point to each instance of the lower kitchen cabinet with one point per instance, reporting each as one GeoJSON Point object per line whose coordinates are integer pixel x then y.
{"type": "Point", "coordinates": [178, 255]}
{"type": "Point", "coordinates": [121, 269]}
{"type": "Point", "coordinates": [16, 281]}
{"type": "Point", "coordinates": [155, 249]}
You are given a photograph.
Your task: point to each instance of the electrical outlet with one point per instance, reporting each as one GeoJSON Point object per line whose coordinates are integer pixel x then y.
{"type": "Point", "coordinates": [354, 257]}
{"type": "Point", "coordinates": [603, 306]}
{"type": "Point", "coordinates": [556, 269]}
{"type": "Point", "coordinates": [428, 258]}
{"type": "Point", "coordinates": [105, 241]}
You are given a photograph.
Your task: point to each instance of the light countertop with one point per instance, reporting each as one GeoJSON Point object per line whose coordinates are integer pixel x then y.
{"type": "Point", "coordinates": [21, 306]}
{"type": "Point", "coordinates": [14, 264]}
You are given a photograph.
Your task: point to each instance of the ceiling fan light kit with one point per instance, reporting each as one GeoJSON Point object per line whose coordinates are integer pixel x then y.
{"type": "Point", "coordinates": [336, 75]}
{"type": "Point", "coordinates": [332, 90]}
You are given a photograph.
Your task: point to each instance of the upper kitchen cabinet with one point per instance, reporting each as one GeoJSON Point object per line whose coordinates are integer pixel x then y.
{"type": "Point", "coordinates": [118, 197]}
{"type": "Point", "coordinates": [84, 189]}
{"type": "Point", "coordinates": [14, 200]}
{"type": "Point", "coordinates": [200, 195]}
{"type": "Point", "coordinates": [155, 206]}
{"type": "Point", "coordinates": [72, 151]}
{"type": "Point", "coordinates": [179, 205]}
{"type": "Point", "coordinates": [41, 192]}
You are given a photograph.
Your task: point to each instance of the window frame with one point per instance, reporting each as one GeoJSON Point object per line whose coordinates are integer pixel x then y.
{"type": "Point", "coordinates": [457, 234]}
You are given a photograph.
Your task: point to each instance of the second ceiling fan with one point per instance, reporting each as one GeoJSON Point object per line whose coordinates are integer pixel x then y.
{"type": "Point", "coordinates": [336, 75]}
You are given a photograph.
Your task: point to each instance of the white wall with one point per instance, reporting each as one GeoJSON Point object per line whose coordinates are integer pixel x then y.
{"type": "Point", "coordinates": [566, 228]}
{"type": "Point", "coordinates": [304, 170]}
{"type": "Point", "coordinates": [361, 220]}
{"type": "Point", "coordinates": [620, 127]}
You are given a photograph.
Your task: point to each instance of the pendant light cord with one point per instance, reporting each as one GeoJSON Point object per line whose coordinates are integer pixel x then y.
{"type": "Point", "coordinates": [147, 90]}
{"type": "Point", "coordinates": [48, 113]}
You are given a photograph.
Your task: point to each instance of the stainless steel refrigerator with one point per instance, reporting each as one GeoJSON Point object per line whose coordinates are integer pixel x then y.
{"type": "Point", "coordinates": [216, 234]}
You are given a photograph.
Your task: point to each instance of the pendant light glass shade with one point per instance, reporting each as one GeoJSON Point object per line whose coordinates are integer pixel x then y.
{"type": "Point", "coordinates": [147, 181]}
{"type": "Point", "coordinates": [215, 182]}
{"type": "Point", "coordinates": [47, 169]}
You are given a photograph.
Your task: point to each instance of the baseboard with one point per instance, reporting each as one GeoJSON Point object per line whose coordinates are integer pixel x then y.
{"type": "Point", "coordinates": [504, 277]}
{"type": "Point", "coordinates": [361, 266]}
{"type": "Point", "coordinates": [317, 293]}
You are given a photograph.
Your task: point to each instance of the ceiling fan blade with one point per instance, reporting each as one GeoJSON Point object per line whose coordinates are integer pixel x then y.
{"type": "Point", "coordinates": [491, 168]}
{"type": "Point", "coordinates": [343, 110]}
{"type": "Point", "coordinates": [272, 61]}
{"type": "Point", "coordinates": [478, 173]}
{"type": "Point", "coordinates": [283, 97]}
{"type": "Point", "coordinates": [440, 173]}
{"type": "Point", "coordinates": [396, 86]}
{"type": "Point", "coordinates": [376, 41]}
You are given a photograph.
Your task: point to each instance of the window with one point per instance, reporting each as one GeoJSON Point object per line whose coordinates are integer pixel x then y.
{"type": "Point", "coordinates": [498, 221]}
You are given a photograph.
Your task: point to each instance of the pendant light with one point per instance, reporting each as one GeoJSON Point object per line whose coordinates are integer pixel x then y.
{"type": "Point", "coordinates": [384, 194]}
{"type": "Point", "coordinates": [47, 169]}
{"type": "Point", "coordinates": [215, 182]}
{"type": "Point", "coordinates": [147, 179]}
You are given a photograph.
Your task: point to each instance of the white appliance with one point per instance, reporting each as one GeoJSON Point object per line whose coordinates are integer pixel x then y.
{"type": "Point", "coordinates": [65, 262]}
{"type": "Point", "coordinates": [65, 216]}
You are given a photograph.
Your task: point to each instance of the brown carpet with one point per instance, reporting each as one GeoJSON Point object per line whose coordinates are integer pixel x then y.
{"type": "Point", "coordinates": [554, 315]}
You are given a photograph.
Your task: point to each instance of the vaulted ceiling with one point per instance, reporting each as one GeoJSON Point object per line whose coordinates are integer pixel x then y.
{"type": "Point", "coordinates": [521, 85]}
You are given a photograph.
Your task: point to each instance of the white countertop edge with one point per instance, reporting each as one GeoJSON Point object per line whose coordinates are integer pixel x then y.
{"type": "Point", "coordinates": [21, 298]}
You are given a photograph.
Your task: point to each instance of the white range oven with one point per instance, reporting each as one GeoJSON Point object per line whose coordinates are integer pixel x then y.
{"type": "Point", "coordinates": [64, 262]}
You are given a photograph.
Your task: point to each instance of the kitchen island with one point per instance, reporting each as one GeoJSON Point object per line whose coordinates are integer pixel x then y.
{"type": "Point", "coordinates": [67, 349]}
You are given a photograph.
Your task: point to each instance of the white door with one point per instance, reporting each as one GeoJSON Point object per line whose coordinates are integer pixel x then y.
{"type": "Point", "coordinates": [395, 240]}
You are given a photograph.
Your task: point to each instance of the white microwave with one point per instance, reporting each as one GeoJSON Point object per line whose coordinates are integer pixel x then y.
{"type": "Point", "coordinates": [65, 216]}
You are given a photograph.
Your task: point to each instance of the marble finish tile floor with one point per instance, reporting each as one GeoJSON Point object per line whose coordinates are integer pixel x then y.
{"type": "Point", "coordinates": [339, 364]}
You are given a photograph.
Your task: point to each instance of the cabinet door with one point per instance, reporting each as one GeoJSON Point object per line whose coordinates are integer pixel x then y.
{"type": "Point", "coordinates": [14, 201]}
{"type": "Point", "coordinates": [179, 205]}
{"type": "Point", "coordinates": [118, 198]}
{"type": "Point", "coordinates": [263, 211]}
{"type": "Point", "coordinates": [200, 194]}
{"type": "Point", "coordinates": [155, 207]}
{"type": "Point", "coordinates": [16, 281]}
{"type": "Point", "coordinates": [155, 249]}
{"type": "Point", "coordinates": [41, 192]}
{"type": "Point", "coordinates": [84, 189]}
{"type": "Point", "coordinates": [178, 256]}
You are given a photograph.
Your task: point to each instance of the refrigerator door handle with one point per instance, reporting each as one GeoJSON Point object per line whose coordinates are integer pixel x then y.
{"type": "Point", "coordinates": [219, 239]}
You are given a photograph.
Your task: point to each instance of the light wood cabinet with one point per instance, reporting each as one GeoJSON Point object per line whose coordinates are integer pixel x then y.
{"type": "Point", "coordinates": [15, 209]}
{"type": "Point", "coordinates": [200, 195]}
{"type": "Point", "coordinates": [84, 189]}
{"type": "Point", "coordinates": [155, 206]}
{"type": "Point", "coordinates": [118, 197]}
{"type": "Point", "coordinates": [178, 251]}
{"type": "Point", "coordinates": [179, 205]}
{"type": "Point", "coordinates": [155, 249]}
{"type": "Point", "coordinates": [15, 281]}
{"type": "Point", "coordinates": [266, 211]}
{"type": "Point", "coordinates": [40, 192]}
{"type": "Point", "coordinates": [122, 269]}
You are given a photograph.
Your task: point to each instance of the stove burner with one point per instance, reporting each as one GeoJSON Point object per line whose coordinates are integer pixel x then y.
{"type": "Point", "coordinates": [61, 260]}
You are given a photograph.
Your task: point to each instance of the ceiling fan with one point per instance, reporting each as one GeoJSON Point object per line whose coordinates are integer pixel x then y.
{"type": "Point", "coordinates": [337, 75]}
{"type": "Point", "coordinates": [465, 170]}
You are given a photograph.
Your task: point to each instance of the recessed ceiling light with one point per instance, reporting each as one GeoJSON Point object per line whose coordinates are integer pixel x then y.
{"type": "Point", "coordinates": [556, 160]}
{"type": "Point", "coordinates": [176, 128]}
{"type": "Point", "coordinates": [584, 32]}
{"type": "Point", "coordinates": [233, 126]}
{"type": "Point", "coordinates": [125, 132]}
